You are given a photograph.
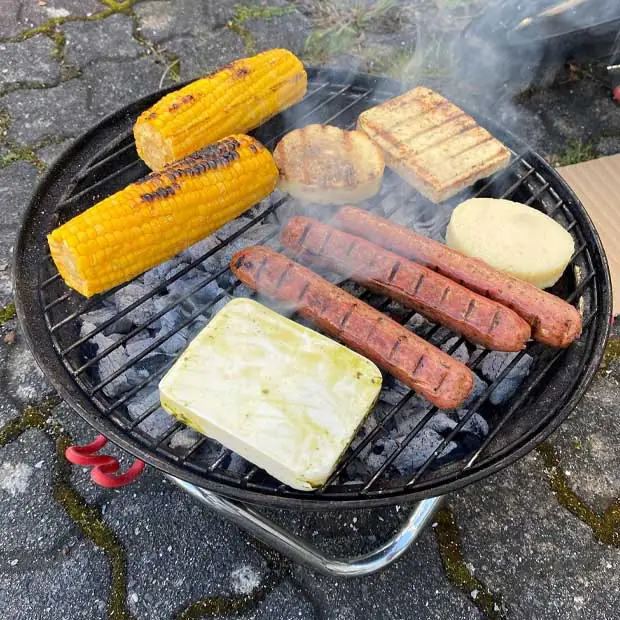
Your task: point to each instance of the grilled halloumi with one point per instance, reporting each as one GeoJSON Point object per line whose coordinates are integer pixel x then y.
{"type": "Point", "coordinates": [328, 165]}
{"type": "Point", "coordinates": [282, 396]}
{"type": "Point", "coordinates": [432, 143]}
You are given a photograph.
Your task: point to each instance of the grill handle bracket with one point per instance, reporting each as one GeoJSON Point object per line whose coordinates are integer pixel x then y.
{"type": "Point", "coordinates": [298, 550]}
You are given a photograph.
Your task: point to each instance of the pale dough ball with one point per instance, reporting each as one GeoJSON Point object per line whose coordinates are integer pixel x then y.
{"type": "Point", "coordinates": [511, 237]}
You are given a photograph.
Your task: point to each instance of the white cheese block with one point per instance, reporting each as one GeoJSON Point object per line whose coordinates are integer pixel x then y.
{"type": "Point", "coordinates": [282, 396]}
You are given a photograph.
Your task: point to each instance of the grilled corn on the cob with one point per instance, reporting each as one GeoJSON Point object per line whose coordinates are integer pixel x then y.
{"type": "Point", "coordinates": [153, 219]}
{"type": "Point", "coordinates": [236, 99]}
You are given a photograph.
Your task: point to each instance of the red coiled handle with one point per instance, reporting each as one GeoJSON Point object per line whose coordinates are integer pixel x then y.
{"type": "Point", "coordinates": [104, 466]}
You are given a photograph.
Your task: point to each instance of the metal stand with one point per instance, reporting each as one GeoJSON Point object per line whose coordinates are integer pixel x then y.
{"type": "Point", "coordinates": [300, 551]}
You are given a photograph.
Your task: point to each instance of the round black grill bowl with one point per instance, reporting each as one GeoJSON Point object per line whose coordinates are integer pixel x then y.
{"type": "Point", "coordinates": [104, 160]}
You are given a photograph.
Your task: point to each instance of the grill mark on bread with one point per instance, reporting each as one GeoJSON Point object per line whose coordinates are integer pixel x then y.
{"type": "Point", "coordinates": [472, 128]}
{"type": "Point", "coordinates": [488, 138]}
{"type": "Point", "coordinates": [409, 119]}
{"type": "Point", "coordinates": [435, 125]}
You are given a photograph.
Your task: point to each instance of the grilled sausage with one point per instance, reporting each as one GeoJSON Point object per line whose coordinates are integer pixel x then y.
{"type": "Point", "coordinates": [554, 322]}
{"type": "Point", "coordinates": [440, 299]}
{"type": "Point", "coordinates": [446, 382]}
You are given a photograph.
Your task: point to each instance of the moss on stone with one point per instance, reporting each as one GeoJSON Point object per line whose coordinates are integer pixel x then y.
{"type": "Point", "coordinates": [5, 122]}
{"type": "Point", "coordinates": [49, 27]}
{"type": "Point", "coordinates": [575, 152]}
{"type": "Point", "coordinates": [21, 153]}
{"type": "Point", "coordinates": [8, 312]}
{"type": "Point", "coordinates": [86, 517]}
{"type": "Point", "coordinates": [244, 13]}
{"type": "Point", "coordinates": [59, 40]}
{"type": "Point", "coordinates": [612, 353]}
{"type": "Point", "coordinates": [605, 527]}
{"type": "Point", "coordinates": [89, 521]}
{"type": "Point", "coordinates": [215, 606]}
{"type": "Point", "coordinates": [453, 560]}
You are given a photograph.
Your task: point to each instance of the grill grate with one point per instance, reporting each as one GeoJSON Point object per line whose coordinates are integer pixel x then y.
{"type": "Point", "coordinates": [556, 375]}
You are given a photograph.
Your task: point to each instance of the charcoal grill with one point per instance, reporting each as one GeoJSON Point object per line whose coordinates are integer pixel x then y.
{"type": "Point", "coordinates": [104, 160]}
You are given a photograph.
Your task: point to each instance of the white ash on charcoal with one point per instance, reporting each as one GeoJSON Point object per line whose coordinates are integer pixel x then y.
{"type": "Point", "coordinates": [393, 391]}
{"type": "Point", "coordinates": [495, 363]}
{"type": "Point", "coordinates": [479, 387]}
{"type": "Point", "coordinates": [476, 424]}
{"type": "Point", "coordinates": [157, 424]}
{"type": "Point", "coordinates": [156, 276]}
{"type": "Point", "coordinates": [130, 294]}
{"type": "Point", "coordinates": [171, 343]}
{"type": "Point", "coordinates": [419, 450]}
{"type": "Point", "coordinates": [204, 292]}
{"type": "Point", "coordinates": [198, 251]}
{"type": "Point", "coordinates": [460, 353]}
{"type": "Point", "coordinates": [101, 315]}
{"type": "Point", "coordinates": [257, 235]}
{"type": "Point", "coordinates": [184, 440]}
{"type": "Point", "coordinates": [418, 324]}
{"type": "Point", "coordinates": [109, 364]}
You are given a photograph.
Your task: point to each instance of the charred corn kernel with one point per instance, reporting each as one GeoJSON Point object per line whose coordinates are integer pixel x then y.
{"type": "Point", "coordinates": [164, 213]}
{"type": "Point", "coordinates": [236, 99]}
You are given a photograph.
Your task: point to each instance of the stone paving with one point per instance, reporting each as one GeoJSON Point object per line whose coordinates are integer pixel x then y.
{"type": "Point", "coordinates": [539, 540]}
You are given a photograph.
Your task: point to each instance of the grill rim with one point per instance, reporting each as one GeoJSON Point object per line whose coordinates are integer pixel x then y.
{"type": "Point", "coordinates": [28, 302]}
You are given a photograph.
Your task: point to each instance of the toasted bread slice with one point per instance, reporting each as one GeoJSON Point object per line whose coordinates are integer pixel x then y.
{"type": "Point", "coordinates": [432, 143]}
{"type": "Point", "coordinates": [327, 165]}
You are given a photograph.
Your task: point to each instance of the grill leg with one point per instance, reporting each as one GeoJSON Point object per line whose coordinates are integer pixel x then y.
{"type": "Point", "coordinates": [300, 551]}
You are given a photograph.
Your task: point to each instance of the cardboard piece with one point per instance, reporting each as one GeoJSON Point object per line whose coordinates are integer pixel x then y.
{"type": "Point", "coordinates": [597, 184]}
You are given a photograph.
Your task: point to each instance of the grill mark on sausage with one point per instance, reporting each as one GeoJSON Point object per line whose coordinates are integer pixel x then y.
{"type": "Point", "coordinates": [396, 346]}
{"type": "Point", "coordinates": [394, 271]}
{"type": "Point", "coordinates": [347, 316]}
{"type": "Point", "coordinates": [418, 284]}
{"type": "Point", "coordinates": [304, 290]}
{"type": "Point", "coordinates": [444, 295]}
{"type": "Point", "coordinates": [283, 275]}
{"type": "Point", "coordinates": [441, 381]}
{"type": "Point", "coordinates": [374, 327]}
{"type": "Point", "coordinates": [495, 321]}
{"type": "Point", "coordinates": [418, 364]}
{"type": "Point", "coordinates": [350, 248]}
{"type": "Point", "coordinates": [260, 268]}
{"type": "Point", "coordinates": [304, 234]}
{"type": "Point", "coordinates": [470, 309]}
{"type": "Point", "coordinates": [325, 242]}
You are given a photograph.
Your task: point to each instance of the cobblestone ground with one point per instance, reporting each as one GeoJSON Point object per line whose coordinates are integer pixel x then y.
{"type": "Point", "coordinates": [539, 540]}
